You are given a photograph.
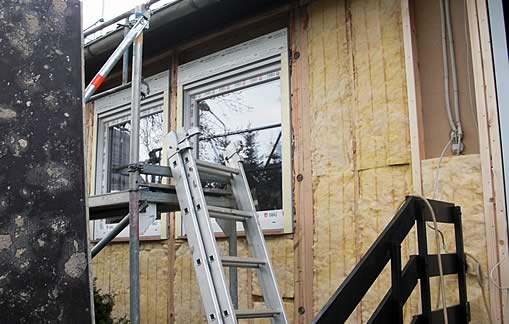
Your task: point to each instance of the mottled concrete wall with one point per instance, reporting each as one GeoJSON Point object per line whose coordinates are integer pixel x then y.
{"type": "Point", "coordinates": [43, 239]}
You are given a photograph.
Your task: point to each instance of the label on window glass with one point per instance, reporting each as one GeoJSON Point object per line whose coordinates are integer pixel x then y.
{"type": "Point", "coordinates": [271, 219]}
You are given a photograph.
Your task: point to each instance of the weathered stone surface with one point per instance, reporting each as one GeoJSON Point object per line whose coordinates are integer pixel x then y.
{"type": "Point", "coordinates": [43, 234]}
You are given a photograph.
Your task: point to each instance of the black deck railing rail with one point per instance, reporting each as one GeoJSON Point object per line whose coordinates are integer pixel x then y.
{"type": "Point", "coordinates": [418, 270]}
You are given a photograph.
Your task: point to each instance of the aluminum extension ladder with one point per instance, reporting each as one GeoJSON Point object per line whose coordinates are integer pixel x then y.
{"type": "Point", "coordinates": [196, 216]}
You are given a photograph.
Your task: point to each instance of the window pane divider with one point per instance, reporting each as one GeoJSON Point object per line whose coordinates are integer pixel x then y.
{"type": "Point", "coordinates": [242, 131]}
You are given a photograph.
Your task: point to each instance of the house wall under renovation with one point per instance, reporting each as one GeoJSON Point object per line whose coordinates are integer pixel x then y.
{"type": "Point", "coordinates": [359, 137]}
{"type": "Point", "coordinates": [352, 169]}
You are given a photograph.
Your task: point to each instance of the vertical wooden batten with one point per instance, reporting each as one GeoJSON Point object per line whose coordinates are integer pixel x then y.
{"type": "Point", "coordinates": [491, 158]}
{"type": "Point", "coordinates": [171, 223]}
{"type": "Point", "coordinates": [302, 180]}
{"type": "Point", "coordinates": [413, 96]}
{"type": "Point", "coordinates": [413, 90]}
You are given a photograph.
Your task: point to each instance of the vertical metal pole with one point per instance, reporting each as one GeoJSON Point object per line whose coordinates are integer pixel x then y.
{"type": "Point", "coordinates": [134, 193]}
{"type": "Point", "coordinates": [125, 58]}
{"type": "Point", "coordinates": [232, 249]}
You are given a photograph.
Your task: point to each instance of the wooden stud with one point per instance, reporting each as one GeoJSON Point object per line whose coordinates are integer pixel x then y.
{"type": "Point", "coordinates": [171, 230]}
{"type": "Point", "coordinates": [302, 181]}
{"type": "Point", "coordinates": [496, 155]}
{"type": "Point", "coordinates": [413, 95]}
{"type": "Point", "coordinates": [415, 118]}
{"type": "Point", "coordinates": [88, 134]}
{"type": "Point", "coordinates": [491, 160]}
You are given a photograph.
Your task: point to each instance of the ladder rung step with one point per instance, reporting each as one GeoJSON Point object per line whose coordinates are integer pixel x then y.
{"type": "Point", "coordinates": [217, 192]}
{"type": "Point", "coordinates": [255, 313]}
{"type": "Point", "coordinates": [241, 262]}
{"type": "Point", "coordinates": [207, 169]}
{"type": "Point", "coordinates": [227, 213]}
{"type": "Point", "coordinates": [157, 186]}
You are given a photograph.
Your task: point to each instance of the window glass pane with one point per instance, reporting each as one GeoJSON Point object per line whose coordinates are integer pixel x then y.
{"type": "Point", "coordinates": [251, 107]}
{"type": "Point", "coordinates": [251, 116]}
{"type": "Point", "coordinates": [151, 133]}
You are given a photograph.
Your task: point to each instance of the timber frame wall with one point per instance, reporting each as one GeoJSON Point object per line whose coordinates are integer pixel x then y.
{"type": "Point", "coordinates": [304, 242]}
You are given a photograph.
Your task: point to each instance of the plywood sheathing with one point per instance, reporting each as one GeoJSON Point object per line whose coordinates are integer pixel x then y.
{"type": "Point", "coordinates": [359, 141]}
{"type": "Point", "coordinates": [188, 304]}
{"type": "Point", "coordinates": [460, 182]}
{"type": "Point", "coordinates": [111, 270]}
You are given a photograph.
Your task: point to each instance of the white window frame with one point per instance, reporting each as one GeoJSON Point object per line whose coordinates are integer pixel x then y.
{"type": "Point", "coordinates": [265, 56]}
{"type": "Point", "coordinates": [114, 109]}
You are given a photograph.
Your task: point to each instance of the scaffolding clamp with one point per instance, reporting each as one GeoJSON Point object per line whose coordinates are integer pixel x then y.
{"type": "Point", "coordinates": [183, 142]}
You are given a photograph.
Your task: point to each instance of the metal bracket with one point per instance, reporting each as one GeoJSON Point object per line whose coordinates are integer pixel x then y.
{"type": "Point", "coordinates": [183, 140]}
{"type": "Point", "coordinates": [133, 167]}
{"type": "Point", "coordinates": [145, 93]}
{"type": "Point", "coordinates": [232, 153]}
{"type": "Point", "coordinates": [137, 15]}
{"type": "Point", "coordinates": [457, 145]}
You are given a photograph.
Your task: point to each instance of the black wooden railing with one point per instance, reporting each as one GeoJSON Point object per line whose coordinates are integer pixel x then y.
{"type": "Point", "coordinates": [419, 269]}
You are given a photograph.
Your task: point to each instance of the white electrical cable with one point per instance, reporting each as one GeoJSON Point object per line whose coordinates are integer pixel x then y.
{"type": "Point", "coordinates": [435, 190]}
{"type": "Point", "coordinates": [491, 274]}
{"type": "Point", "coordinates": [439, 256]}
{"type": "Point", "coordinates": [435, 183]}
{"type": "Point", "coordinates": [454, 77]}
{"type": "Point", "coordinates": [480, 282]}
{"type": "Point", "coordinates": [445, 63]}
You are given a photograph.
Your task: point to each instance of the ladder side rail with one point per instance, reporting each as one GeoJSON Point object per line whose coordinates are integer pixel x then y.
{"type": "Point", "coordinates": [208, 236]}
{"type": "Point", "coordinates": [272, 297]}
{"type": "Point", "coordinates": [190, 219]}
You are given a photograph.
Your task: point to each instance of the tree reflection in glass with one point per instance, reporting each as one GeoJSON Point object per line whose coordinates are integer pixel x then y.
{"type": "Point", "coordinates": [253, 116]}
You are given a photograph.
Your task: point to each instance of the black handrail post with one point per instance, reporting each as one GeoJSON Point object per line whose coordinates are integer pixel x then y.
{"type": "Point", "coordinates": [460, 254]}
{"type": "Point", "coordinates": [396, 282]}
{"type": "Point", "coordinates": [417, 270]}
{"type": "Point", "coordinates": [423, 260]}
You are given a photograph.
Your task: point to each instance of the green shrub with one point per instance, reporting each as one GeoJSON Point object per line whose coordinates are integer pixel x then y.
{"type": "Point", "coordinates": [103, 305]}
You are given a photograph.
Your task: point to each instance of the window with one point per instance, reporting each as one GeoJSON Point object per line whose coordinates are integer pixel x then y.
{"type": "Point", "coordinates": [241, 95]}
{"type": "Point", "coordinates": [112, 153]}
{"type": "Point", "coordinates": [151, 134]}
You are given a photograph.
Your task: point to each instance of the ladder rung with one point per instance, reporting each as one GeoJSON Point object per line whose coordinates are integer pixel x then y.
{"type": "Point", "coordinates": [241, 262]}
{"type": "Point", "coordinates": [231, 214]}
{"type": "Point", "coordinates": [213, 171]}
{"type": "Point", "coordinates": [157, 186]}
{"type": "Point", "coordinates": [217, 192]}
{"type": "Point", "coordinates": [255, 313]}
